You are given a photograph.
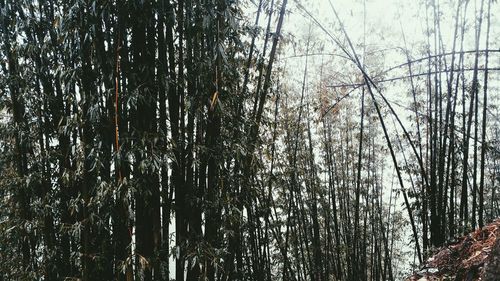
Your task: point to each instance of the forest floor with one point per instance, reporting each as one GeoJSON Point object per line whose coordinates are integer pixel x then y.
{"type": "Point", "coordinates": [475, 256]}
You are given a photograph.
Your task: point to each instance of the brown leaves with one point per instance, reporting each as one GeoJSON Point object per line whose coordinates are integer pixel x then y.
{"type": "Point", "coordinates": [464, 260]}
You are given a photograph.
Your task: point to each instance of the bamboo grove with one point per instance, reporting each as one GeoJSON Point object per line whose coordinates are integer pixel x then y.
{"type": "Point", "coordinates": [165, 140]}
